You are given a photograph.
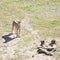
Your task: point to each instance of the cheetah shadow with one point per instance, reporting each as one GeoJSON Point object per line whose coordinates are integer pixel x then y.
{"type": "Point", "coordinates": [7, 37]}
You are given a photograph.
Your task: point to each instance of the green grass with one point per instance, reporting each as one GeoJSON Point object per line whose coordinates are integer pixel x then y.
{"type": "Point", "coordinates": [45, 25]}
{"type": "Point", "coordinates": [1, 58]}
{"type": "Point", "coordinates": [56, 0]}
{"type": "Point", "coordinates": [39, 22]}
{"type": "Point", "coordinates": [27, 39]}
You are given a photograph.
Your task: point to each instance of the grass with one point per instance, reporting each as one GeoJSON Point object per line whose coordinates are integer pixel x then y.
{"type": "Point", "coordinates": [0, 58]}
{"type": "Point", "coordinates": [28, 39]}
{"type": "Point", "coordinates": [56, 0]}
{"type": "Point", "coordinates": [45, 25]}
